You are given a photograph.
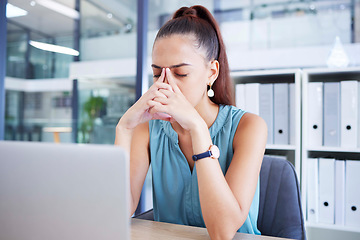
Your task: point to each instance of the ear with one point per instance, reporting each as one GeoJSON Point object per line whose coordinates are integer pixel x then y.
{"type": "Point", "coordinates": [214, 70]}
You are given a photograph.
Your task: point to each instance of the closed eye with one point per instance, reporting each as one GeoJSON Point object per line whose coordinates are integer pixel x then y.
{"type": "Point", "coordinates": [181, 75]}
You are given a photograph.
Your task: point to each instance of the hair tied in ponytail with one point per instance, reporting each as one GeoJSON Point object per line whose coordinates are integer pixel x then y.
{"type": "Point", "coordinates": [198, 22]}
{"type": "Point", "coordinates": [190, 12]}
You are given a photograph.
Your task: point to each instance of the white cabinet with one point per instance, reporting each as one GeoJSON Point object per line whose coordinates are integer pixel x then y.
{"type": "Point", "coordinates": [291, 149]}
{"type": "Point", "coordinates": [306, 143]}
{"type": "Point", "coordinates": [333, 110]}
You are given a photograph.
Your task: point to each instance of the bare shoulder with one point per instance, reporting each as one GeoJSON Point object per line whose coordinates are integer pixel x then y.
{"type": "Point", "coordinates": [251, 128]}
{"type": "Point", "coordinates": [252, 120]}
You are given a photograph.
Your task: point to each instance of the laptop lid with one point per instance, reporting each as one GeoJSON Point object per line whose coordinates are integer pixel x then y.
{"type": "Point", "coordinates": [52, 191]}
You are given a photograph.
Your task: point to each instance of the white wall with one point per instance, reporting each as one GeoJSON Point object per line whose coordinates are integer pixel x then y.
{"type": "Point", "coordinates": [302, 57]}
{"type": "Point", "coordinates": [112, 47]}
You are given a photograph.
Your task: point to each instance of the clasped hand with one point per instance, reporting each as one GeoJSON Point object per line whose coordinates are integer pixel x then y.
{"type": "Point", "coordinates": [163, 101]}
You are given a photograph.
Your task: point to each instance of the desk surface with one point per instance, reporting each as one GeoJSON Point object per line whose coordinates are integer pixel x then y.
{"type": "Point", "coordinates": [144, 229]}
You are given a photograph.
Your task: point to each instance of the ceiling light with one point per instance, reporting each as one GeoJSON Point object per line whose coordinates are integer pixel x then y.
{"type": "Point", "coordinates": [109, 15]}
{"type": "Point", "coordinates": [59, 8]}
{"type": "Point", "coordinates": [32, 3]}
{"type": "Point", "coordinates": [54, 48]}
{"type": "Point", "coordinates": [13, 11]}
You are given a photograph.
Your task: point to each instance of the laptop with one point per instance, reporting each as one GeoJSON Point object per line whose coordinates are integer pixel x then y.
{"type": "Point", "coordinates": [52, 191]}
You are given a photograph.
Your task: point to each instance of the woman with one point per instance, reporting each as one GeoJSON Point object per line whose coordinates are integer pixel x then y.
{"type": "Point", "coordinates": [189, 106]}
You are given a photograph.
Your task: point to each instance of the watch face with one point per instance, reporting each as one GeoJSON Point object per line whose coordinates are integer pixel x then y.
{"type": "Point", "coordinates": [215, 151]}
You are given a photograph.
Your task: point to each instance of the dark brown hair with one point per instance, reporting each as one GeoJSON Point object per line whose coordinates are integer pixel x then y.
{"type": "Point", "coordinates": [199, 22]}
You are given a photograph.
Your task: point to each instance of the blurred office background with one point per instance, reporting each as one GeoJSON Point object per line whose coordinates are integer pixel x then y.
{"type": "Point", "coordinates": [78, 96]}
{"type": "Point", "coordinates": [39, 84]}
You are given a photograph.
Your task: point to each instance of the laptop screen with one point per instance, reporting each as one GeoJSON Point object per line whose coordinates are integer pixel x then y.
{"type": "Point", "coordinates": [52, 191]}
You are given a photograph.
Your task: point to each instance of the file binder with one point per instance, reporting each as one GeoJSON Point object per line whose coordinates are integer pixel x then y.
{"type": "Point", "coordinates": [349, 113]}
{"type": "Point", "coordinates": [332, 114]}
{"type": "Point", "coordinates": [240, 96]}
{"type": "Point", "coordinates": [352, 193]}
{"type": "Point", "coordinates": [358, 115]}
{"type": "Point", "coordinates": [339, 192]}
{"type": "Point", "coordinates": [266, 108]}
{"type": "Point", "coordinates": [326, 190]}
{"type": "Point", "coordinates": [315, 113]}
{"type": "Point", "coordinates": [292, 110]}
{"type": "Point", "coordinates": [281, 113]}
{"type": "Point", "coordinates": [252, 97]}
{"type": "Point", "coordinates": [312, 190]}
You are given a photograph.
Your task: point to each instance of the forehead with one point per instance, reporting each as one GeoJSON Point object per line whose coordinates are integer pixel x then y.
{"type": "Point", "coordinates": [176, 49]}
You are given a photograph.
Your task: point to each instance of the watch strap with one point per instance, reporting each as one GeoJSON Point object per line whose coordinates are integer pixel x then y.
{"type": "Point", "coordinates": [201, 155]}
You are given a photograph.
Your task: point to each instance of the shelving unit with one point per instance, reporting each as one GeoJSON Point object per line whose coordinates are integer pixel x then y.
{"type": "Point", "coordinates": [321, 230]}
{"type": "Point", "coordinates": [291, 152]}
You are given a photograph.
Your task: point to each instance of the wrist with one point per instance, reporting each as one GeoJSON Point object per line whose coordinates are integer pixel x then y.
{"type": "Point", "coordinates": [200, 137]}
{"type": "Point", "coordinates": [212, 152]}
{"type": "Point", "coordinates": [198, 127]}
{"type": "Point", "coordinates": [122, 129]}
{"type": "Point", "coordinates": [123, 136]}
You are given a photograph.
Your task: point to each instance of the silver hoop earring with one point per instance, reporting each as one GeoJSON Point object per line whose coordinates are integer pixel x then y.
{"type": "Point", "coordinates": [210, 92]}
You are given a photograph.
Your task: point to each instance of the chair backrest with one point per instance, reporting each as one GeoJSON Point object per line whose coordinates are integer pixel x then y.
{"type": "Point", "coordinates": [280, 212]}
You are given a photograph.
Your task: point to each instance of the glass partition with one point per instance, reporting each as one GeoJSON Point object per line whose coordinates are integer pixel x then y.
{"type": "Point", "coordinates": [38, 103]}
{"type": "Point", "coordinates": [38, 116]}
{"type": "Point", "coordinates": [16, 51]}
{"type": "Point", "coordinates": [108, 29]}
{"type": "Point", "coordinates": [35, 113]}
{"type": "Point", "coordinates": [260, 24]}
{"type": "Point", "coordinates": [102, 102]}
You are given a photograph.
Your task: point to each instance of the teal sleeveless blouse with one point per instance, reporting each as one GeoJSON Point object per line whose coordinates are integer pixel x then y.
{"type": "Point", "coordinates": [175, 187]}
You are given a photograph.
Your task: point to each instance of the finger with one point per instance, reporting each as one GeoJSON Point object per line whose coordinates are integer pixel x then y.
{"type": "Point", "coordinates": [165, 92]}
{"type": "Point", "coordinates": [154, 89]}
{"type": "Point", "coordinates": [157, 109]}
{"type": "Point", "coordinates": [162, 76]}
{"type": "Point", "coordinates": [162, 100]}
{"type": "Point", "coordinates": [159, 94]}
{"type": "Point", "coordinates": [163, 116]}
{"type": "Point", "coordinates": [171, 80]}
{"type": "Point", "coordinates": [161, 85]}
{"type": "Point", "coordinates": [159, 115]}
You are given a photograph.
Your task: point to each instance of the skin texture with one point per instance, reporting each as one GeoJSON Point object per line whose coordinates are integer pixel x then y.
{"type": "Point", "coordinates": [179, 95]}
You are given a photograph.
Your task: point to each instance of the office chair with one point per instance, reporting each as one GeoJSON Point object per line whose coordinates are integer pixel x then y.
{"type": "Point", "coordinates": [280, 212]}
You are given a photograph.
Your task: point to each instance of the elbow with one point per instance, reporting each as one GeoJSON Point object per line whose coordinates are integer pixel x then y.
{"type": "Point", "coordinates": [226, 229]}
{"type": "Point", "coordinates": [223, 233]}
{"type": "Point", "coordinates": [133, 205]}
{"type": "Point", "coordinates": [222, 236]}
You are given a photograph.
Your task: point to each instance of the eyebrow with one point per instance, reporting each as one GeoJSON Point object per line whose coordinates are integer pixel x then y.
{"type": "Point", "coordinates": [173, 66]}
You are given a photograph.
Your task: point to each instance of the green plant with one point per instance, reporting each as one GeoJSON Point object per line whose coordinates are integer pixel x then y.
{"type": "Point", "coordinates": [92, 110]}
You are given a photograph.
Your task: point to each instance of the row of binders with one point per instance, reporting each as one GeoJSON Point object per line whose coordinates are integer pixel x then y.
{"type": "Point", "coordinates": [333, 194]}
{"type": "Point", "coordinates": [275, 103]}
{"type": "Point", "coordinates": [333, 114]}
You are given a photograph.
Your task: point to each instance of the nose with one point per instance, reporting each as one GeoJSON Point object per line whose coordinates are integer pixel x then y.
{"type": "Point", "coordinates": [165, 78]}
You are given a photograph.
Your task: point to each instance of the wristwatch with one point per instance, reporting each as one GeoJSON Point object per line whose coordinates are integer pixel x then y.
{"type": "Point", "coordinates": [213, 152]}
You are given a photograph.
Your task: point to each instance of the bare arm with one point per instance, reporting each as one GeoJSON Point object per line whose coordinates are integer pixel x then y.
{"type": "Point", "coordinates": [132, 134]}
{"type": "Point", "coordinates": [137, 143]}
{"type": "Point", "coordinates": [225, 201]}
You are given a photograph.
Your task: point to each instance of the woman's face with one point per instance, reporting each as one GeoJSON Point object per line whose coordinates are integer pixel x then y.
{"type": "Point", "coordinates": [191, 72]}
